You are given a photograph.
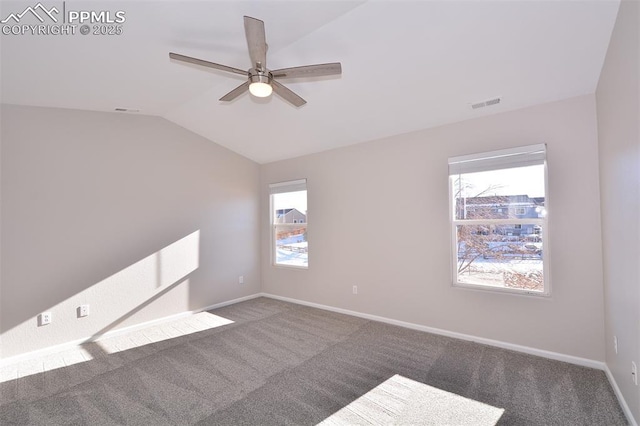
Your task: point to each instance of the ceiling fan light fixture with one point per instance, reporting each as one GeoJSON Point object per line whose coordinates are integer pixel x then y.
{"type": "Point", "coordinates": [260, 89]}
{"type": "Point", "coordinates": [260, 83]}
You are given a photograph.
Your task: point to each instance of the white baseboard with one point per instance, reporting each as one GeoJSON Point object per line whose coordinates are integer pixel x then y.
{"type": "Point", "coordinates": [623, 402]}
{"type": "Point", "coordinates": [52, 350]}
{"type": "Point", "coordinates": [497, 343]}
{"type": "Point", "coordinates": [229, 302]}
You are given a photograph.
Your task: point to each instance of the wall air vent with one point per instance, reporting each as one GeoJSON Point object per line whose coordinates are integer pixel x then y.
{"type": "Point", "coordinates": [483, 104]}
{"type": "Point", "coordinates": [127, 110]}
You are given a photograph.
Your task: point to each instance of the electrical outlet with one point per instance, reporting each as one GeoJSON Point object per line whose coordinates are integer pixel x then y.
{"type": "Point", "coordinates": [241, 279]}
{"type": "Point", "coordinates": [355, 289]}
{"type": "Point", "coordinates": [45, 318]}
{"type": "Point", "coordinates": [83, 311]}
{"type": "Point", "coordinates": [615, 344]}
{"type": "Point", "coordinates": [634, 373]}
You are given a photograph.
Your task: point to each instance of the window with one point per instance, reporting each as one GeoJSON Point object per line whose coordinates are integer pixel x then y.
{"type": "Point", "coordinates": [499, 220]}
{"type": "Point", "coordinates": [289, 245]}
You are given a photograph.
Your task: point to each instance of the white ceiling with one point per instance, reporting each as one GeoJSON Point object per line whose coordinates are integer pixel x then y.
{"type": "Point", "coordinates": [406, 65]}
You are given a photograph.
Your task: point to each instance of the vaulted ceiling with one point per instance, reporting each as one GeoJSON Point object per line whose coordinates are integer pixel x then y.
{"type": "Point", "coordinates": [406, 65]}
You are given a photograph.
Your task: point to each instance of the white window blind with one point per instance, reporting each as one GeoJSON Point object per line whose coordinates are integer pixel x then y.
{"type": "Point", "coordinates": [530, 155]}
{"type": "Point", "coordinates": [290, 186]}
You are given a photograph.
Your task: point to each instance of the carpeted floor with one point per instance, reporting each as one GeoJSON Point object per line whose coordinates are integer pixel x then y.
{"type": "Point", "coordinates": [285, 364]}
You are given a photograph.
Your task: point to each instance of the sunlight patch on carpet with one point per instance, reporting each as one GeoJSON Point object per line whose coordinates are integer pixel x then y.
{"type": "Point", "coordinates": [402, 401]}
{"type": "Point", "coordinates": [193, 324]}
{"type": "Point", "coordinates": [111, 343]}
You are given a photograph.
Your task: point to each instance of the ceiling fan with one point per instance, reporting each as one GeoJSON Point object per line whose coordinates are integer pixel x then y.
{"type": "Point", "coordinates": [261, 82]}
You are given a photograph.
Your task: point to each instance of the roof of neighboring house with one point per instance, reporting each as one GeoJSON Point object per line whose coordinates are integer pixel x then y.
{"type": "Point", "coordinates": [283, 212]}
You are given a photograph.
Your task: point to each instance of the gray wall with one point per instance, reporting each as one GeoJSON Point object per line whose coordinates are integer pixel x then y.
{"type": "Point", "coordinates": [618, 96]}
{"type": "Point", "coordinates": [378, 219]}
{"type": "Point", "coordinates": [133, 215]}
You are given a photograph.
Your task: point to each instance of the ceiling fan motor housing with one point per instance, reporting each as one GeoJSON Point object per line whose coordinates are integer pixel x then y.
{"type": "Point", "coordinates": [257, 76]}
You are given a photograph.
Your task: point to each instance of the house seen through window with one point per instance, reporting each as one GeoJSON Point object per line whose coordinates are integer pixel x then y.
{"type": "Point", "coordinates": [289, 223]}
{"type": "Point", "coordinates": [499, 215]}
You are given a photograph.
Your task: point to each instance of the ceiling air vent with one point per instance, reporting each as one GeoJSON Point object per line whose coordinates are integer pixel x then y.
{"type": "Point", "coordinates": [483, 104]}
{"type": "Point", "coordinates": [127, 110]}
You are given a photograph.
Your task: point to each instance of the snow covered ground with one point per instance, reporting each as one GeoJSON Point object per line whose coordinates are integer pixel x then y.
{"type": "Point", "coordinates": [492, 272]}
{"type": "Point", "coordinates": [291, 257]}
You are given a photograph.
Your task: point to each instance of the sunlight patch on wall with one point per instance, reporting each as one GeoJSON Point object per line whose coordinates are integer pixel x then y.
{"type": "Point", "coordinates": [126, 292]}
{"type": "Point", "coordinates": [400, 400]}
{"type": "Point", "coordinates": [151, 288]}
{"type": "Point", "coordinates": [160, 269]}
{"type": "Point", "coordinates": [178, 260]}
{"type": "Point", "coordinates": [137, 286]}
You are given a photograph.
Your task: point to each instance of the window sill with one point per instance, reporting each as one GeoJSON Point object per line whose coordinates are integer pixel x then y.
{"type": "Point", "coordinates": [294, 267]}
{"type": "Point", "coordinates": [503, 290]}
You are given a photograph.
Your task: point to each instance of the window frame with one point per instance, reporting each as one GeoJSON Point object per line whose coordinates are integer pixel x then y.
{"type": "Point", "coordinates": [282, 188]}
{"type": "Point", "coordinates": [499, 160]}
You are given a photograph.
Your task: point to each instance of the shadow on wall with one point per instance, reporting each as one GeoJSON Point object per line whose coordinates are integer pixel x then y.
{"type": "Point", "coordinates": [117, 298]}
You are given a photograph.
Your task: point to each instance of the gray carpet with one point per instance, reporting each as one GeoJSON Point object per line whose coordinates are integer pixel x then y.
{"type": "Point", "coordinates": [285, 364]}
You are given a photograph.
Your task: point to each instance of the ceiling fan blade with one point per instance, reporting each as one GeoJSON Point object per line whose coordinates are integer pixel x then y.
{"type": "Point", "coordinates": [334, 68]}
{"type": "Point", "coordinates": [287, 94]}
{"type": "Point", "coordinates": [207, 64]}
{"type": "Point", "coordinates": [236, 92]}
{"type": "Point", "coordinates": [254, 31]}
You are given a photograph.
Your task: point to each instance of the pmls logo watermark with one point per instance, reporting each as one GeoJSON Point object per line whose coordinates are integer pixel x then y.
{"type": "Point", "coordinates": [58, 20]}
